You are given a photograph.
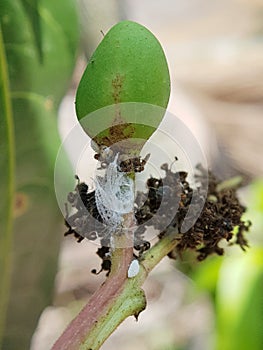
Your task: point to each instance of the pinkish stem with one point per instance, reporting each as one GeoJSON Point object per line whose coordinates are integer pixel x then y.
{"type": "Point", "coordinates": [98, 306]}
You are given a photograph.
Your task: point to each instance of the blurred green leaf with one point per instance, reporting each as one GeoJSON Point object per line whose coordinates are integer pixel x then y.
{"type": "Point", "coordinates": [6, 184]}
{"type": "Point", "coordinates": [240, 302]}
{"type": "Point", "coordinates": [38, 223]}
{"type": "Point", "coordinates": [206, 274]}
{"type": "Point", "coordinates": [240, 287]}
{"type": "Point", "coordinates": [257, 195]}
{"type": "Point", "coordinates": [26, 72]}
{"type": "Point", "coordinates": [255, 210]}
{"type": "Point", "coordinates": [236, 284]}
{"type": "Point", "coordinates": [250, 323]}
{"type": "Point", "coordinates": [31, 8]}
{"type": "Point", "coordinates": [36, 90]}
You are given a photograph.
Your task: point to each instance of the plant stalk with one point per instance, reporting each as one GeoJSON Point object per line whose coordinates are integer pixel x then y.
{"type": "Point", "coordinates": [116, 299]}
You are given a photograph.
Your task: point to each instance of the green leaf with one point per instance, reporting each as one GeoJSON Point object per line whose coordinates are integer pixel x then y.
{"type": "Point", "coordinates": [249, 328]}
{"type": "Point", "coordinates": [38, 222]}
{"type": "Point", "coordinates": [7, 156]}
{"type": "Point", "coordinates": [206, 274]}
{"type": "Point", "coordinates": [26, 71]}
{"type": "Point", "coordinates": [240, 303]}
{"type": "Point", "coordinates": [31, 8]}
{"type": "Point", "coordinates": [129, 65]}
{"type": "Point", "coordinates": [36, 89]}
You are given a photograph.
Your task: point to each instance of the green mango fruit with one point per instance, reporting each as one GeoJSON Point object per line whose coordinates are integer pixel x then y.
{"type": "Point", "coordinates": [128, 66]}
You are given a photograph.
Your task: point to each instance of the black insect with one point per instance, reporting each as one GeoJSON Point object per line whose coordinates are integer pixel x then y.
{"type": "Point", "coordinates": [104, 253]}
{"type": "Point", "coordinates": [70, 230]}
{"type": "Point", "coordinates": [151, 205]}
{"type": "Point", "coordinates": [105, 156]}
{"type": "Point", "coordinates": [141, 246]}
{"type": "Point", "coordinates": [79, 198]}
{"type": "Point", "coordinates": [135, 164]}
{"type": "Point", "coordinates": [84, 222]}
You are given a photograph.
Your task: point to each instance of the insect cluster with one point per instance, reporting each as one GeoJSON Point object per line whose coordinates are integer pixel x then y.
{"type": "Point", "coordinates": [97, 213]}
{"type": "Point", "coordinates": [165, 205]}
{"type": "Point", "coordinates": [81, 223]}
{"type": "Point", "coordinates": [125, 164]}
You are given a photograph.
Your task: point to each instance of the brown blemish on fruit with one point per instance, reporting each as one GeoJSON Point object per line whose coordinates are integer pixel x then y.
{"type": "Point", "coordinates": [20, 204]}
{"type": "Point", "coordinates": [120, 129]}
{"type": "Point", "coordinates": [116, 134]}
{"type": "Point", "coordinates": [117, 84]}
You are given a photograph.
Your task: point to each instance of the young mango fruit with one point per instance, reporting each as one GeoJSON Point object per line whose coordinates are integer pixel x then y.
{"type": "Point", "coordinates": [129, 73]}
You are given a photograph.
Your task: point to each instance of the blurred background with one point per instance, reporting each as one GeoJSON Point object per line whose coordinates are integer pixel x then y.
{"type": "Point", "coordinates": [215, 55]}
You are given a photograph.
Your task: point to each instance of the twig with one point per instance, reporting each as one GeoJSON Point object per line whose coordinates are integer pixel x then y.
{"type": "Point", "coordinates": [116, 299]}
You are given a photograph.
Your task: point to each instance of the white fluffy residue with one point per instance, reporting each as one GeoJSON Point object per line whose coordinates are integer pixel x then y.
{"type": "Point", "coordinates": [114, 195]}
